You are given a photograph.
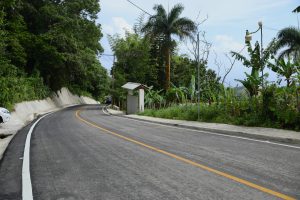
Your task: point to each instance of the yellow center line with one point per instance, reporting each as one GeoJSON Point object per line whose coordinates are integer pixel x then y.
{"type": "Point", "coordinates": [239, 180]}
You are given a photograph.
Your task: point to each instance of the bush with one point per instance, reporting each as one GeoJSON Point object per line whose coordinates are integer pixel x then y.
{"type": "Point", "coordinates": [18, 89]}
{"type": "Point", "coordinates": [274, 106]}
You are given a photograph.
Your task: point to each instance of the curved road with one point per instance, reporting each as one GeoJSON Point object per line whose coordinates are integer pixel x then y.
{"type": "Point", "coordinates": [83, 153]}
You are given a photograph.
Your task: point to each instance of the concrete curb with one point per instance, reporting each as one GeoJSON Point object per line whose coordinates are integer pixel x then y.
{"type": "Point", "coordinates": [219, 131]}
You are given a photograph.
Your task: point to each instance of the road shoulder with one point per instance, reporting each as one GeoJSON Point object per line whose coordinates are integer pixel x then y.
{"type": "Point", "coordinates": [271, 134]}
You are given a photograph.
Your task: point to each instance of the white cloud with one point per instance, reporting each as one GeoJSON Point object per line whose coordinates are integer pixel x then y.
{"type": "Point", "coordinates": [225, 27]}
{"type": "Point", "coordinates": [230, 12]}
{"type": "Point", "coordinates": [121, 25]}
{"type": "Point", "coordinates": [220, 12]}
{"type": "Point", "coordinates": [225, 44]}
{"type": "Point", "coordinates": [107, 29]}
{"type": "Point", "coordinates": [118, 26]}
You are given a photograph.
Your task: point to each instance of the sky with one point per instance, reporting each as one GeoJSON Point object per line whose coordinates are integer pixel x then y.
{"type": "Point", "coordinates": [225, 27]}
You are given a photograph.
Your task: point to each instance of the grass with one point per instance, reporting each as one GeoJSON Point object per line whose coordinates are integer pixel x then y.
{"type": "Point", "coordinates": [241, 115]}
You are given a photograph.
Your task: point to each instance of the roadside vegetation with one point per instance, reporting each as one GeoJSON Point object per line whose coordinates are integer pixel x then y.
{"type": "Point", "coordinates": [150, 56]}
{"type": "Point", "coordinates": [143, 57]}
{"type": "Point", "coordinates": [47, 45]}
{"type": "Point", "coordinates": [275, 108]}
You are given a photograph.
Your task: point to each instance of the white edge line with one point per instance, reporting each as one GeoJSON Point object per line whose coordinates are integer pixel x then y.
{"type": "Point", "coordinates": [105, 111]}
{"type": "Point", "coordinates": [218, 134]}
{"type": "Point", "coordinates": [26, 180]}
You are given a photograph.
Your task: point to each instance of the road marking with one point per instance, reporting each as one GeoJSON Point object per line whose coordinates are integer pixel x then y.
{"type": "Point", "coordinates": [234, 178]}
{"type": "Point", "coordinates": [105, 112]}
{"type": "Point", "coordinates": [207, 132]}
{"type": "Point", "coordinates": [26, 180]}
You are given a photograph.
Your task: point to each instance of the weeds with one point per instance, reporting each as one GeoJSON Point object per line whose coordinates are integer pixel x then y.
{"type": "Point", "coordinates": [275, 107]}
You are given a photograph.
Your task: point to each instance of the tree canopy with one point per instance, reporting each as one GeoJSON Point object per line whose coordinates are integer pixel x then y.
{"type": "Point", "coordinates": [163, 25]}
{"type": "Point", "coordinates": [289, 41]}
{"type": "Point", "coordinates": [56, 40]}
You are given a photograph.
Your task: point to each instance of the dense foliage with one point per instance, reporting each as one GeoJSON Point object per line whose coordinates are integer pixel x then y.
{"type": "Point", "coordinates": [261, 103]}
{"type": "Point", "coordinates": [162, 26]}
{"type": "Point", "coordinates": [279, 110]}
{"type": "Point", "coordinates": [257, 103]}
{"type": "Point", "coordinates": [136, 62]}
{"type": "Point", "coordinates": [257, 62]}
{"type": "Point", "coordinates": [132, 53]}
{"type": "Point", "coordinates": [46, 45]}
{"type": "Point", "coordinates": [289, 43]}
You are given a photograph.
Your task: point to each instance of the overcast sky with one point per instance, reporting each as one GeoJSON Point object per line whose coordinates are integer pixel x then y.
{"type": "Point", "coordinates": [225, 27]}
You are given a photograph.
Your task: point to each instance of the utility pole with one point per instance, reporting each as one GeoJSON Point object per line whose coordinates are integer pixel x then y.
{"type": "Point", "coordinates": [113, 79]}
{"type": "Point", "coordinates": [248, 38]}
{"type": "Point", "coordinates": [198, 74]}
{"type": "Point", "coordinates": [261, 52]}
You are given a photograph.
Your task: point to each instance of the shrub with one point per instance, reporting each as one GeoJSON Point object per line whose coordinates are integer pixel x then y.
{"type": "Point", "coordinates": [17, 89]}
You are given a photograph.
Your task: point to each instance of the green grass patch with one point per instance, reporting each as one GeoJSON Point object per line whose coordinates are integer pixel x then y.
{"type": "Point", "coordinates": [236, 115]}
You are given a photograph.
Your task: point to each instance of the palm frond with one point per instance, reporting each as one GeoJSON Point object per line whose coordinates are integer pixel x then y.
{"type": "Point", "coordinates": [168, 24]}
{"type": "Point", "coordinates": [241, 58]}
{"type": "Point", "coordinates": [183, 27]}
{"type": "Point", "coordinates": [175, 12]}
{"type": "Point", "coordinates": [288, 37]}
{"type": "Point", "coordinates": [297, 9]}
{"type": "Point", "coordinates": [273, 67]}
{"type": "Point", "coordinates": [160, 11]}
{"type": "Point", "coordinates": [270, 50]}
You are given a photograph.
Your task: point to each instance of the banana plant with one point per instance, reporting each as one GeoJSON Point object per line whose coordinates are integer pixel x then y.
{"type": "Point", "coordinates": [251, 83]}
{"type": "Point", "coordinates": [256, 62]}
{"type": "Point", "coordinates": [176, 94]}
{"type": "Point", "coordinates": [153, 98]}
{"type": "Point", "coordinates": [284, 68]}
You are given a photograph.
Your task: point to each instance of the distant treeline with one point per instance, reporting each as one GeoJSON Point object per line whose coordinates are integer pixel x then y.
{"type": "Point", "coordinates": [49, 44]}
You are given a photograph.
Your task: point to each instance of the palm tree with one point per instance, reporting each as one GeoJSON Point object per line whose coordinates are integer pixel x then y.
{"type": "Point", "coordinates": [289, 40]}
{"type": "Point", "coordinates": [163, 25]}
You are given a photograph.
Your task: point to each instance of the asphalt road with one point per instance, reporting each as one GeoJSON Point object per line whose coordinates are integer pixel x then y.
{"type": "Point", "coordinates": [98, 156]}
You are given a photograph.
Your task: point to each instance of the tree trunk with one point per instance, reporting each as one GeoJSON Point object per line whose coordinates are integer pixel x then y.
{"type": "Point", "coordinates": [168, 66]}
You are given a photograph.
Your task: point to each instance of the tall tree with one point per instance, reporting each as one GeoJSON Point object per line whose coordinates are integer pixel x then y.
{"type": "Point", "coordinates": [163, 25]}
{"type": "Point", "coordinates": [182, 70]}
{"type": "Point", "coordinates": [132, 63]}
{"type": "Point", "coordinates": [65, 43]}
{"type": "Point", "coordinates": [55, 39]}
{"type": "Point", "coordinates": [132, 54]}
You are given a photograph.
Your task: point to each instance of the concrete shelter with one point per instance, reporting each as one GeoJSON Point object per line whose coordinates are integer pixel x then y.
{"type": "Point", "coordinates": [135, 97]}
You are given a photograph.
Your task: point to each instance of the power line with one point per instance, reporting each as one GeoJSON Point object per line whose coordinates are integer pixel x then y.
{"type": "Point", "coordinates": [139, 7]}
{"type": "Point", "coordinates": [104, 54]}
{"type": "Point", "coordinates": [107, 57]}
{"type": "Point", "coordinates": [270, 28]}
